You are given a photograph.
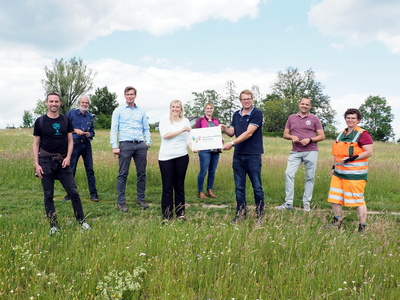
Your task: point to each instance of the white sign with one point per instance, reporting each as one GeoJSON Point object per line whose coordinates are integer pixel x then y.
{"type": "Point", "coordinates": [206, 138]}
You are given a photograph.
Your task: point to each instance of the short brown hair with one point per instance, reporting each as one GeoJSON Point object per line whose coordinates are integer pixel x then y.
{"type": "Point", "coordinates": [353, 111]}
{"type": "Point", "coordinates": [52, 94]}
{"type": "Point", "coordinates": [128, 88]}
{"type": "Point", "coordinates": [245, 92]}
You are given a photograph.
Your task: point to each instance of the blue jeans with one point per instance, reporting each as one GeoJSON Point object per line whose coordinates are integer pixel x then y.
{"type": "Point", "coordinates": [208, 162]}
{"type": "Point", "coordinates": [84, 149]}
{"type": "Point", "coordinates": [251, 165]}
{"type": "Point", "coordinates": [53, 170]}
{"type": "Point", "coordinates": [309, 158]}
{"type": "Point", "coordinates": [138, 152]}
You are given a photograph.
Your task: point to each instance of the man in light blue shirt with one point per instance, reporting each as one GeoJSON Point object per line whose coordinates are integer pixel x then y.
{"type": "Point", "coordinates": [130, 138]}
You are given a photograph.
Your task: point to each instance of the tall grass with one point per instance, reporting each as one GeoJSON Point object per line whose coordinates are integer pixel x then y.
{"type": "Point", "coordinates": [289, 255]}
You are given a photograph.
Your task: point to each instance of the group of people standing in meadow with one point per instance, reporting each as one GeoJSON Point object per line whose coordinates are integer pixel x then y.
{"type": "Point", "coordinates": [59, 141]}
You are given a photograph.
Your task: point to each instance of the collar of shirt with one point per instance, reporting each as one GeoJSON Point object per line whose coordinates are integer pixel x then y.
{"type": "Point", "coordinates": [249, 113]}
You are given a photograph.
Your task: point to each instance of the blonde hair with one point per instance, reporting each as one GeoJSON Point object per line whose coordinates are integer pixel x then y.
{"type": "Point", "coordinates": [181, 114]}
{"type": "Point", "coordinates": [209, 104]}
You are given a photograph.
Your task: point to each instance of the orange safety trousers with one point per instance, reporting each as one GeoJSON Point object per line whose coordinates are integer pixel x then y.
{"type": "Point", "coordinates": [346, 192]}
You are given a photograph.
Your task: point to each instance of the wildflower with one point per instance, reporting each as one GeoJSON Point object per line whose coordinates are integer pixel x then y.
{"type": "Point", "coordinates": [344, 282]}
{"type": "Point", "coordinates": [142, 254]}
{"type": "Point", "coordinates": [22, 268]}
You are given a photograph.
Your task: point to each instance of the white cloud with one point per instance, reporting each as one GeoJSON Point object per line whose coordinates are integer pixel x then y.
{"type": "Point", "coordinates": [157, 87]}
{"type": "Point", "coordinates": [65, 25]}
{"type": "Point", "coordinates": [359, 21]}
{"type": "Point", "coordinates": [21, 73]}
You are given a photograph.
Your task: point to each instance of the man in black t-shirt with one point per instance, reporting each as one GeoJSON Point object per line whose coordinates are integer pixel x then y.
{"type": "Point", "coordinates": [52, 148]}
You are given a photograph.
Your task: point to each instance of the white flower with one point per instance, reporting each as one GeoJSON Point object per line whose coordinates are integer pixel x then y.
{"type": "Point", "coordinates": [142, 254]}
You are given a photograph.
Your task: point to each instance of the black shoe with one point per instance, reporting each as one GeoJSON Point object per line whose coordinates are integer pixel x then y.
{"type": "Point", "coordinates": [122, 207]}
{"type": "Point", "coordinates": [66, 198]}
{"type": "Point", "coordinates": [336, 223]}
{"type": "Point", "coordinates": [361, 228]}
{"type": "Point", "coordinates": [142, 204]}
{"type": "Point", "coordinates": [181, 218]}
{"type": "Point", "coordinates": [94, 198]}
{"type": "Point", "coordinates": [237, 219]}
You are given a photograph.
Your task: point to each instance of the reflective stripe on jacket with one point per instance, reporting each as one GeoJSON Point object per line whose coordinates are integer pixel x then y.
{"type": "Point", "coordinates": [346, 146]}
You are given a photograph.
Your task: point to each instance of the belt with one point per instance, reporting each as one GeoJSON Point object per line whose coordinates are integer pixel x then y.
{"type": "Point", "coordinates": [134, 142]}
{"type": "Point", "coordinates": [81, 140]}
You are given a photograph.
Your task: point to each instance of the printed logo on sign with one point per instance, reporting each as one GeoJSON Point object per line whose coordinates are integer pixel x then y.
{"type": "Point", "coordinates": [196, 139]}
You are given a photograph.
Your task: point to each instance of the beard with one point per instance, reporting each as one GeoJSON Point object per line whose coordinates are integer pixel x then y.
{"type": "Point", "coordinates": [83, 108]}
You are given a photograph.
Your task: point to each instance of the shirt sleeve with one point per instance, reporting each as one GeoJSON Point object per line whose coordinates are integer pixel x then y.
{"type": "Point", "coordinates": [146, 129]}
{"type": "Point", "coordinates": [163, 126]}
{"type": "Point", "coordinates": [365, 139]}
{"type": "Point", "coordinates": [198, 123]}
{"type": "Point", "coordinates": [257, 119]}
{"type": "Point", "coordinates": [114, 129]}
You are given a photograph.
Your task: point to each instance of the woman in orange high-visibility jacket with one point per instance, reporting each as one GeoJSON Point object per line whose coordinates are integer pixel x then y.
{"type": "Point", "coordinates": [351, 151]}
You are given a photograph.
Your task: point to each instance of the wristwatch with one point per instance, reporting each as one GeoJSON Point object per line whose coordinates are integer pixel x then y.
{"type": "Point", "coordinates": [233, 144]}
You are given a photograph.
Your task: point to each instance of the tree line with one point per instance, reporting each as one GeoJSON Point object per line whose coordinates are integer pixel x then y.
{"type": "Point", "coordinates": [71, 79]}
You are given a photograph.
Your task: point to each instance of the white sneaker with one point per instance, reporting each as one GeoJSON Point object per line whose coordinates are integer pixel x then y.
{"type": "Point", "coordinates": [54, 230]}
{"type": "Point", "coordinates": [85, 226]}
{"type": "Point", "coordinates": [306, 207]}
{"type": "Point", "coordinates": [284, 206]}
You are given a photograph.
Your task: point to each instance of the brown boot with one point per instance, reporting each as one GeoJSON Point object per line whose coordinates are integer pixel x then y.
{"type": "Point", "coordinates": [202, 196]}
{"type": "Point", "coordinates": [211, 194]}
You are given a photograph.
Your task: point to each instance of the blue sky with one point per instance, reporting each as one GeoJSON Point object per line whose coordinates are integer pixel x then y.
{"type": "Point", "coordinates": [169, 49]}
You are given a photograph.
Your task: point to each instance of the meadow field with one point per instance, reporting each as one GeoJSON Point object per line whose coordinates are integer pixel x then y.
{"type": "Point", "coordinates": [288, 255]}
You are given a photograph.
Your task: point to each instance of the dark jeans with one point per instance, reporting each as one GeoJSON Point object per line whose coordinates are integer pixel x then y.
{"type": "Point", "coordinates": [251, 165]}
{"type": "Point", "coordinates": [173, 173]}
{"type": "Point", "coordinates": [84, 149]}
{"type": "Point", "coordinates": [208, 163]}
{"type": "Point", "coordinates": [138, 152]}
{"type": "Point", "coordinates": [53, 170]}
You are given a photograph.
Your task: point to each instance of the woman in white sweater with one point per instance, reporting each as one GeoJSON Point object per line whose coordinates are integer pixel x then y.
{"type": "Point", "coordinates": [173, 160]}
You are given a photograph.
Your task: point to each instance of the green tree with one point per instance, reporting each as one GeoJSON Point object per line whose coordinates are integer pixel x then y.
{"type": "Point", "coordinates": [41, 108]}
{"type": "Point", "coordinates": [256, 95]}
{"type": "Point", "coordinates": [27, 119]}
{"type": "Point", "coordinates": [273, 108]}
{"type": "Point", "coordinates": [290, 87]}
{"type": "Point", "coordinates": [377, 118]}
{"type": "Point", "coordinates": [229, 104]}
{"type": "Point", "coordinates": [102, 105]}
{"type": "Point", "coordinates": [195, 107]}
{"type": "Point", "coordinates": [69, 79]}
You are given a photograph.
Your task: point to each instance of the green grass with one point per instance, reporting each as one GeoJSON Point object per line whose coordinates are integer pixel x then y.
{"type": "Point", "coordinates": [290, 255]}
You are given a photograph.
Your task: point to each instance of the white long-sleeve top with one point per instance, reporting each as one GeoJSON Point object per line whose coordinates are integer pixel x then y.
{"type": "Point", "coordinates": [176, 146]}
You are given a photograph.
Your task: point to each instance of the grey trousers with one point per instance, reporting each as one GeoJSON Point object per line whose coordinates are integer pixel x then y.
{"type": "Point", "coordinates": [309, 158]}
{"type": "Point", "coordinates": [138, 152]}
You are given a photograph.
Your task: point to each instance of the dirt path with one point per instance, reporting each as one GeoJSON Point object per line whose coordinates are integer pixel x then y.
{"type": "Point", "coordinates": [296, 208]}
